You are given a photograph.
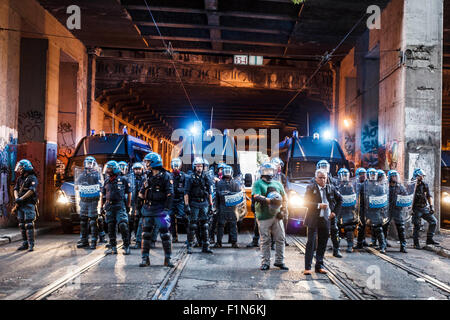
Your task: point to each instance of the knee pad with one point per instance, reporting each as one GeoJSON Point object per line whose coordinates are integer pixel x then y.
{"type": "Point", "coordinates": [146, 235]}
{"type": "Point", "coordinates": [123, 226]}
{"type": "Point", "coordinates": [93, 222]}
{"type": "Point", "coordinates": [205, 225]}
{"type": "Point", "coordinates": [193, 226]}
{"type": "Point", "coordinates": [29, 225]}
{"type": "Point", "coordinates": [165, 236]}
{"type": "Point", "coordinates": [22, 225]}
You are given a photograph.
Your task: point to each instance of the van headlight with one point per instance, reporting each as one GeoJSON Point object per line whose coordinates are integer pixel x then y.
{"type": "Point", "coordinates": [296, 200]}
{"type": "Point", "coordinates": [445, 198]}
{"type": "Point", "coordinates": [61, 198]}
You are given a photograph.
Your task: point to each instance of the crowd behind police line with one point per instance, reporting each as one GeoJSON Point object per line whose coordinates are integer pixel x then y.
{"type": "Point", "coordinates": [151, 200]}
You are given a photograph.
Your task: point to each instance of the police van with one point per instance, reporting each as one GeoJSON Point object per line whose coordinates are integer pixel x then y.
{"type": "Point", "coordinates": [103, 147]}
{"type": "Point", "coordinates": [301, 154]}
{"type": "Point", "coordinates": [445, 188]}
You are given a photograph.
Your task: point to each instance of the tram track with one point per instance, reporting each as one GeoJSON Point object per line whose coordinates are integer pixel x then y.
{"type": "Point", "coordinates": [343, 284]}
{"type": "Point", "coordinates": [430, 280]}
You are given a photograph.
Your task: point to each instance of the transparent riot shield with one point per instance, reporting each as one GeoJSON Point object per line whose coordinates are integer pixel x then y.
{"type": "Point", "coordinates": [87, 183]}
{"type": "Point", "coordinates": [132, 184]}
{"type": "Point", "coordinates": [376, 202]}
{"type": "Point", "coordinates": [348, 214]}
{"type": "Point", "coordinates": [401, 196]}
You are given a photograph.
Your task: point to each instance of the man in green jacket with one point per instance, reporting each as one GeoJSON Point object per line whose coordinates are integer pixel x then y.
{"type": "Point", "coordinates": [270, 208]}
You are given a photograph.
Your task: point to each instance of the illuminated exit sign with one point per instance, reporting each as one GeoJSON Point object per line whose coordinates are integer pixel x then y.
{"type": "Point", "coordinates": [248, 60]}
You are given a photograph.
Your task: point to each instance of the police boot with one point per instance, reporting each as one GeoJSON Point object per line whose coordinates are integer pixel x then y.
{"type": "Point", "coordinates": [349, 246]}
{"type": "Point", "coordinates": [189, 249]}
{"type": "Point", "coordinates": [417, 244]}
{"type": "Point", "coordinates": [168, 263]}
{"type": "Point", "coordinates": [207, 249]}
{"type": "Point", "coordinates": [102, 238]}
{"type": "Point", "coordinates": [93, 245]}
{"type": "Point", "coordinates": [272, 245]}
{"type": "Point", "coordinates": [30, 235]}
{"type": "Point", "coordinates": [152, 244]}
{"type": "Point", "coordinates": [24, 246]}
{"type": "Point", "coordinates": [234, 245]}
{"type": "Point", "coordinates": [175, 239]}
{"type": "Point", "coordinates": [31, 246]}
{"type": "Point", "coordinates": [212, 239]}
{"type": "Point", "coordinates": [126, 250]}
{"type": "Point", "coordinates": [145, 262]}
{"type": "Point", "coordinates": [111, 250]}
{"type": "Point", "coordinates": [337, 253]}
{"type": "Point", "coordinates": [430, 241]}
{"type": "Point", "coordinates": [218, 245]}
{"type": "Point", "coordinates": [382, 241]}
{"type": "Point", "coordinates": [83, 244]}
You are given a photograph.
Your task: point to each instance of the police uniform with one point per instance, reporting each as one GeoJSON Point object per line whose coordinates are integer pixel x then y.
{"type": "Point", "coordinates": [422, 211]}
{"type": "Point", "coordinates": [226, 214]}
{"type": "Point", "coordinates": [198, 188]}
{"type": "Point", "coordinates": [26, 210]}
{"type": "Point", "coordinates": [396, 213]}
{"type": "Point", "coordinates": [89, 205]}
{"type": "Point", "coordinates": [115, 190]}
{"type": "Point", "coordinates": [136, 206]}
{"type": "Point", "coordinates": [177, 211]}
{"type": "Point", "coordinates": [158, 196]}
{"type": "Point", "coordinates": [362, 215]}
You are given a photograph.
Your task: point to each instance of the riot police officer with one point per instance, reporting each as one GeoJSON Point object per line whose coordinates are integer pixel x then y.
{"type": "Point", "coordinates": [123, 167]}
{"type": "Point", "coordinates": [87, 184]}
{"type": "Point", "coordinates": [334, 231]}
{"type": "Point", "coordinates": [136, 203]}
{"type": "Point", "coordinates": [25, 194]}
{"type": "Point", "coordinates": [213, 217]}
{"type": "Point", "coordinates": [381, 179]}
{"type": "Point", "coordinates": [197, 200]}
{"type": "Point", "coordinates": [157, 194]}
{"type": "Point", "coordinates": [177, 213]}
{"type": "Point", "coordinates": [116, 189]}
{"type": "Point", "coordinates": [376, 206]}
{"type": "Point", "coordinates": [397, 209]}
{"type": "Point", "coordinates": [423, 209]}
{"type": "Point", "coordinates": [279, 175]}
{"type": "Point", "coordinates": [360, 183]}
{"type": "Point", "coordinates": [226, 208]}
{"type": "Point", "coordinates": [347, 216]}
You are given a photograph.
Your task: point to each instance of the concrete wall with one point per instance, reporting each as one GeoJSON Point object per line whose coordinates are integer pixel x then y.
{"type": "Point", "coordinates": [406, 100]}
{"type": "Point", "coordinates": [29, 20]}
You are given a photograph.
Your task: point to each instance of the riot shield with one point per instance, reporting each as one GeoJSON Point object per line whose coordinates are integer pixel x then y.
{"type": "Point", "coordinates": [236, 200]}
{"type": "Point", "coordinates": [87, 183]}
{"type": "Point", "coordinates": [401, 196]}
{"type": "Point", "coordinates": [348, 213]}
{"type": "Point", "coordinates": [132, 184]}
{"type": "Point", "coordinates": [376, 202]}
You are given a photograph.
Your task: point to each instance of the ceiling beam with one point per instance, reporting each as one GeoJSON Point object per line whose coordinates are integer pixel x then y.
{"type": "Point", "coordinates": [250, 43]}
{"type": "Point", "coordinates": [293, 28]}
{"type": "Point", "coordinates": [238, 14]}
{"type": "Point", "coordinates": [213, 20]}
{"type": "Point", "coordinates": [202, 26]}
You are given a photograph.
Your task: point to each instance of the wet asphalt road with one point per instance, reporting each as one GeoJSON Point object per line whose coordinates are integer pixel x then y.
{"type": "Point", "coordinates": [226, 274]}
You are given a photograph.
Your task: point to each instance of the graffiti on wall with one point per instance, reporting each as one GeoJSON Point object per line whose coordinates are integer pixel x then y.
{"type": "Point", "coordinates": [31, 125]}
{"type": "Point", "coordinates": [369, 144]}
{"type": "Point", "coordinates": [349, 144]}
{"type": "Point", "coordinates": [66, 142]}
{"type": "Point", "coordinates": [8, 158]}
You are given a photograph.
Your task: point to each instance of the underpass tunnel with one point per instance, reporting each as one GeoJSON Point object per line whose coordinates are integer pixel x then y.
{"type": "Point", "coordinates": [261, 65]}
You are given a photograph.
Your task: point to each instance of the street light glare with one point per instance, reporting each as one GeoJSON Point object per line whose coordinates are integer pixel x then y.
{"type": "Point", "coordinates": [346, 123]}
{"type": "Point", "coordinates": [327, 135]}
{"type": "Point", "coordinates": [193, 130]}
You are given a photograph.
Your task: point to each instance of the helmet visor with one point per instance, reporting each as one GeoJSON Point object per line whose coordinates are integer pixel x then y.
{"type": "Point", "coordinates": [228, 171]}
{"type": "Point", "coordinates": [176, 164]}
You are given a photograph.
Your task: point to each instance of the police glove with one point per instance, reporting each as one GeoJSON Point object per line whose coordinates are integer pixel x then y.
{"type": "Point", "coordinates": [19, 201]}
{"type": "Point", "coordinates": [431, 210]}
{"type": "Point", "coordinates": [128, 209]}
{"type": "Point", "coordinates": [187, 210]}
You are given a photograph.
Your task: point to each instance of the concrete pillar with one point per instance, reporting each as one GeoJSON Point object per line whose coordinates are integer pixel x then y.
{"type": "Point", "coordinates": [423, 45]}
{"type": "Point", "coordinates": [93, 53]}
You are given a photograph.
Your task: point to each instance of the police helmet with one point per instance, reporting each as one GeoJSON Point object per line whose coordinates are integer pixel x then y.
{"type": "Point", "coordinates": [372, 174]}
{"type": "Point", "coordinates": [137, 165]}
{"type": "Point", "coordinates": [227, 171]}
{"type": "Point", "coordinates": [418, 172]}
{"type": "Point", "coordinates": [267, 169]}
{"type": "Point", "coordinates": [221, 165]}
{"type": "Point", "coordinates": [176, 163]}
{"type": "Point", "coordinates": [277, 162]}
{"type": "Point", "coordinates": [323, 164]}
{"type": "Point", "coordinates": [25, 165]}
{"type": "Point", "coordinates": [197, 161]}
{"type": "Point", "coordinates": [392, 173]}
{"type": "Point", "coordinates": [276, 201]}
{"type": "Point", "coordinates": [360, 171]}
{"type": "Point", "coordinates": [90, 162]}
{"type": "Point", "coordinates": [153, 160]}
{"type": "Point", "coordinates": [123, 166]}
{"type": "Point", "coordinates": [344, 174]}
{"type": "Point", "coordinates": [205, 164]}
{"type": "Point", "coordinates": [111, 165]}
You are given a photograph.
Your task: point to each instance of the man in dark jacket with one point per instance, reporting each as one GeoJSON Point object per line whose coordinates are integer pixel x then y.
{"type": "Point", "coordinates": [322, 201]}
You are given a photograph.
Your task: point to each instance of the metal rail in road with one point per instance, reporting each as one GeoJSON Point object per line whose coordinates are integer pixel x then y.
{"type": "Point", "coordinates": [338, 280]}
{"type": "Point", "coordinates": [170, 280]}
{"type": "Point", "coordinates": [410, 270]}
{"type": "Point", "coordinates": [59, 283]}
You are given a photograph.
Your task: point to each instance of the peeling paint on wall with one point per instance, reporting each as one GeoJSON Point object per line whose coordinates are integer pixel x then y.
{"type": "Point", "coordinates": [8, 158]}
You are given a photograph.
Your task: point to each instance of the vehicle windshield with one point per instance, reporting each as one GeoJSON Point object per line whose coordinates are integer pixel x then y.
{"type": "Point", "coordinates": [110, 144]}
{"type": "Point", "coordinates": [323, 149]}
{"type": "Point", "coordinates": [77, 161]}
{"type": "Point", "coordinates": [299, 169]}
